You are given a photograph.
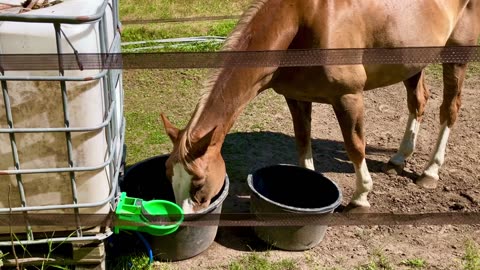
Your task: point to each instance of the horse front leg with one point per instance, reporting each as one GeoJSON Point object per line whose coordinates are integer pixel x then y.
{"type": "Point", "coordinates": [301, 112]}
{"type": "Point", "coordinates": [349, 111]}
{"type": "Point", "coordinates": [453, 77]}
{"type": "Point", "coordinates": [417, 97]}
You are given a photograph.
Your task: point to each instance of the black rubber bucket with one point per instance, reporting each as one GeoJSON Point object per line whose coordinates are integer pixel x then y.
{"type": "Point", "coordinates": [147, 180]}
{"type": "Point", "coordinates": [286, 189]}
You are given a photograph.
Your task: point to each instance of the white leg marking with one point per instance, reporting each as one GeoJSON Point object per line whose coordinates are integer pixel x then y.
{"type": "Point", "coordinates": [438, 155]}
{"type": "Point", "coordinates": [307, 160]}
{"type": "Point", "coordinates": [364, 185]}
{"type": "Point", "coordinates": [181, 182]}
{"type": "Point", "coordinates": [407, 146]}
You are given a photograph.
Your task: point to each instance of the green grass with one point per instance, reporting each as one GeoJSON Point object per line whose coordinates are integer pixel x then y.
{"type": "Point", "coordinates": [471, 259]}
{"type": "Point", "coordinates": [415, 263]}
{"type": "Point", "coordinates": [153, 32]}
{"type": "Point", "coordinates": [130, 9]}
{"type": "Point", "coordinates": [378, 262]}
{"type": "Point", "coordinates": [132, 262]}
{"type": "Point", "coordinates": [164, 31]}
{"type": "Point", "coordinates": [173, 92]}
{"type": "Point", "coordinates": [258, 261]}
{"type": "Point", "coordinates": [154, 9]}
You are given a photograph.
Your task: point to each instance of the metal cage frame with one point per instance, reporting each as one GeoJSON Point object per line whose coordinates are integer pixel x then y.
{"type": "Point", "coordinates": [115, 135]}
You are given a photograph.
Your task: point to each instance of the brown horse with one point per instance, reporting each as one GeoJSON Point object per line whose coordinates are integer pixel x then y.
{"type": "Point", "coordinates": [196, 167]}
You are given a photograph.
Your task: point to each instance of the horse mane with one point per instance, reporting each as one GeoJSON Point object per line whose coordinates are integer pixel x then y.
{"type": "Point", "coordinates": [232, 43]}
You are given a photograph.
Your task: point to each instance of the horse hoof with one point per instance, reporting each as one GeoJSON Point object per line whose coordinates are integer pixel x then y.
{"type": "Point", "coordinates": [392, 169]}
{"type": "Point", "coordinates": [427, 182]}
{"type": "Point", "coordinates": [355, 209]}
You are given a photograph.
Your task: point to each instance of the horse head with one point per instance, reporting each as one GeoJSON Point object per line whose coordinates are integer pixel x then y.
{"type": "Point", "coordinates": [195, 167]}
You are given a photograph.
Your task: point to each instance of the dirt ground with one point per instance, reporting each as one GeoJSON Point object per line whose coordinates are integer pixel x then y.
{"type": "Point", "coordinates": [346, 247]}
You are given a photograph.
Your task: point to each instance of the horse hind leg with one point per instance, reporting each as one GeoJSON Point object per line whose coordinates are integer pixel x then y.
{"type": "Point", "coordinates": [349, 111]}
{"type": "Point", "coordinates": [453, 77]}
{"type": "Point", "coordinates": [417, 97]}
{"type": "Point", "coordinates": [301, 112]}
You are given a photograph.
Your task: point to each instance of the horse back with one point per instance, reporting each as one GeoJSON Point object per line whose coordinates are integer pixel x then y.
{"type": "Point", "coordinates": [387, 23]}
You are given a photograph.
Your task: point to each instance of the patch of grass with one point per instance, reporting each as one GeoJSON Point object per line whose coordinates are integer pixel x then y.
{"type": "Point", "coordinates": [415, 263]}
{"type": "Point", "coordinates": [378, 262]}
{"type": "Point", "coordinates": [221, 28]}
{"type": "Point", "coordinates": [130, 9]}
{"type": "Point", "coordinates": [149, 33]}
{"type": "Point", "coordinates": [133, 262]}
{"type": "Point", "coordinates": [163, 31]}
{"type": "Point", "coordinates": [257, 261]}
{"type": "Point", "coordinates": [145, 136]}
{"type": "Point", "coordinates": [163, 266]}
{"type": "Point", "coordinates": [133, 9]}
{"type": "Point", "coordinates": [207, 46]}
{"type": "Point", "coordinates": [473, 70]}
{"type": "Point", "coordinates": [149, 93]}
{"type": "Point", "coordinates": [436, 72]}
{"type": "Point", "coordinates": [471, 259]}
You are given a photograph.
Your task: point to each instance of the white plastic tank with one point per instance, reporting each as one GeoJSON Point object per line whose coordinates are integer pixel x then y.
{"type": "Point", "coordinates": [38, 104]}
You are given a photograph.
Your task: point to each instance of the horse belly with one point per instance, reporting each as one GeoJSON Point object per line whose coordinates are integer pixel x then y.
{"type": "Point", "coordinates": [385, 75]}
{"type": "Point", "coordinates": [319, 84]}
{"type": "Point", "coordinates": [322, 84]}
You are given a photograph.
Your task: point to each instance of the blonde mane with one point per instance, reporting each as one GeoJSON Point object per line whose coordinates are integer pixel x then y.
{"type": "Point", "coordinates": [231, 44]}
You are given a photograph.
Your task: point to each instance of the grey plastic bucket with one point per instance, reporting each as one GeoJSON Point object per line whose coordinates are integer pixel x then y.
{"type": "Point", "coordinates": [291, 189]}
{"type": "Point", "coordinates": [147, 180]}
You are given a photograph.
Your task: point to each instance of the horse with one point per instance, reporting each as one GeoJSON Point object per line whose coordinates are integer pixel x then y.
{"type": "Point", "coordinates": [196, 167]}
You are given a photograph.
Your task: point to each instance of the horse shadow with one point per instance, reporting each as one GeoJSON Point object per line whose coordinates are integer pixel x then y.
{"type": "Point", "coordinates": [246, 152]}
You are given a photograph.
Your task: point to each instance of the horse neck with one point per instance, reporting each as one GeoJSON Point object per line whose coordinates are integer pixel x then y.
{"type": "Point", "coordinates": [266, 25]}
{"type": "Point", "coordinates": [232, 91]}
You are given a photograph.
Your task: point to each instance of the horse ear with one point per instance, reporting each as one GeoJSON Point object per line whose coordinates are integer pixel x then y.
{"type": "Point", "coordinates": [200, 147]}
{"type": "Point", "coordinates": [170, 129]}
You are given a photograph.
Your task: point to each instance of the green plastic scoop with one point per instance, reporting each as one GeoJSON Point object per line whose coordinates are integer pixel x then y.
{"type": "Point", "coordinates": [143, 213]}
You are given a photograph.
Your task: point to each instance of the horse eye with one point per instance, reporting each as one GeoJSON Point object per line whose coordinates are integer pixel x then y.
{"type": "Point", "coordinates": [197, 183]}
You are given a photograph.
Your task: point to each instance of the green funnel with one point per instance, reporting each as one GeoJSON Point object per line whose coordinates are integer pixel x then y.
{"type": "Point", "coordinates": [156, 217]}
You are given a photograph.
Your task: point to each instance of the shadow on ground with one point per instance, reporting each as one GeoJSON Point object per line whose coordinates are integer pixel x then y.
{"type": "Point", "coordinates": [246, 152]}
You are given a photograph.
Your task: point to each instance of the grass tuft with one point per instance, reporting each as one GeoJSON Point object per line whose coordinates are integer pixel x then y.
{"type": "Point", "coordinates": [471, 259]}
{"type": "Point", "coordinates": [257, 261]}
{"type": "Point", "coordinates": [415, 263]}
{"type": "Point", "coordinates": [378, 262]}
